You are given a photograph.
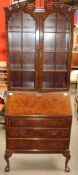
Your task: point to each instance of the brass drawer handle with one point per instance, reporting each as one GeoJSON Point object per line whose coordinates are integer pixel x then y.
{"type": "Point", "coordinates": [21, 122]}
{"type": "Point", "coordinates": [54, 132]}
{"type": "Point", "coordinates": [51, 145]}
{"type": "Point", "coordinates": [22, 145]}
{"type": "Point", "coordinates": [22, 132]}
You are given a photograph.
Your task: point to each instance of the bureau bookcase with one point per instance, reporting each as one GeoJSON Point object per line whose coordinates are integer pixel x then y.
{"type": "Point", "coordinates": [39, 46]}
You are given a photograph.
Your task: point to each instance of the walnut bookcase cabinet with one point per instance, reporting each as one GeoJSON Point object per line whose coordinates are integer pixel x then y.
{"type": "Point", "coordinates": [39, 48]}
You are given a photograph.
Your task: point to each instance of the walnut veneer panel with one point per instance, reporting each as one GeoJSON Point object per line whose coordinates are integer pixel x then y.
{"type": "Point", "coordinates": [38, 144]}
{"type": "Point", "coordinates": [38, 132]}
{"type": "Point", "coordinates": [38, 121]}
{"type": "Point", "coordinates": [34, 104]}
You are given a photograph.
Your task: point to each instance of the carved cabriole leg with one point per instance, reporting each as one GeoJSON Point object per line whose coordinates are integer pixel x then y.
{"type": "Point", "coordinates": [6, 156]}
{"type": "Point", "coordinates": [68, 156]}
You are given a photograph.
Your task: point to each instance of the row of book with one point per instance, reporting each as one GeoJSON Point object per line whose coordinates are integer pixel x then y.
{"type": "Point", "coordinates": [3, 74]}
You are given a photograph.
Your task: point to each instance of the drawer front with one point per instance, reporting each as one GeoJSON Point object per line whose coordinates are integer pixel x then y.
{"type": "Point", "coordinates": [38, 122]}
{"type": "Point", "coordinates": [38, 133]}
{"type": "Point", "coordinates": [37, 144]}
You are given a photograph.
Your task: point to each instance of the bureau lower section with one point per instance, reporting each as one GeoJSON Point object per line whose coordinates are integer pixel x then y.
{"type": "Point", "coordinates": [38, 134]}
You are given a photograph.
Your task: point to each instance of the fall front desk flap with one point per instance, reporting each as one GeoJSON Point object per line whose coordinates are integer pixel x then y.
{"type": "Point", "coordinates": [51, 104]}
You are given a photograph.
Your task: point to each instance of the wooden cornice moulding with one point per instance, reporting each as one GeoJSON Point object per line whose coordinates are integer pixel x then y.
{"type": "Point", "coordinates": [25, 4]}
{"type": "Point", "coordinates": [65, 9]}
{"type": "Point", "coordinates": [60, 4]}
{"type": "Point", "coordinates": [53, 6]}
{"type": "Point", "coordinates": [19, 6]}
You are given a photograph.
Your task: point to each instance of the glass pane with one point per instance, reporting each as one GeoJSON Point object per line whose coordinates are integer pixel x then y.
{"type": "Point", "coordinates": [28, 57]}
{"type": "Point", "coordinates": [28, 23]}
{"type": "Point", "coordinates": [15, 79]}
{"type": "Point", "coordinates": [28, 41]}
{"type": "Point", "coordinates": [28, 60]}
{"type": "Point", "coordinates": [28, 79]}
{"type": "Point", "coordinates": [22, 40]}
{"type": "Point", "coordinates": [50, 23]}
{"type": "Point", "coordinates": [49, 42]}
{"type": "Point", "coordinates": [14, 22]}
{"type": "Point", "coordinates": [61, 60]}
{"type": "Point", "coordinates": [15, 60]}
{"type": "Point", "coordinates": [48, 62]}
{"type": "Point", "coordinates": [62, 42]}
{"type": "Point", "coordinates": [48, 79]}
{"type": "Point", "coordinates": [63, 24]}
{"type": "Point", "coordinates": [56, 51]}
{"type": "Point", "coordinates": [14, 41]}
{"type": "Point", "coordinates": [60, 79]}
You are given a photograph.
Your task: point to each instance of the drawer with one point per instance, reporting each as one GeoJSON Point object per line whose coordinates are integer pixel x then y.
{"type": "Point", "coordinates": [38, 121]}
{"type": "Point", "coordinates": [38, 144]}
{"type": "Point", "coordinates": [38, 133]}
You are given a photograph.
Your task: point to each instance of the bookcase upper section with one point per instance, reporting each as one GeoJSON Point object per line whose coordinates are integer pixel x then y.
{"type": "Point", "coordinates": [39, 46]}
